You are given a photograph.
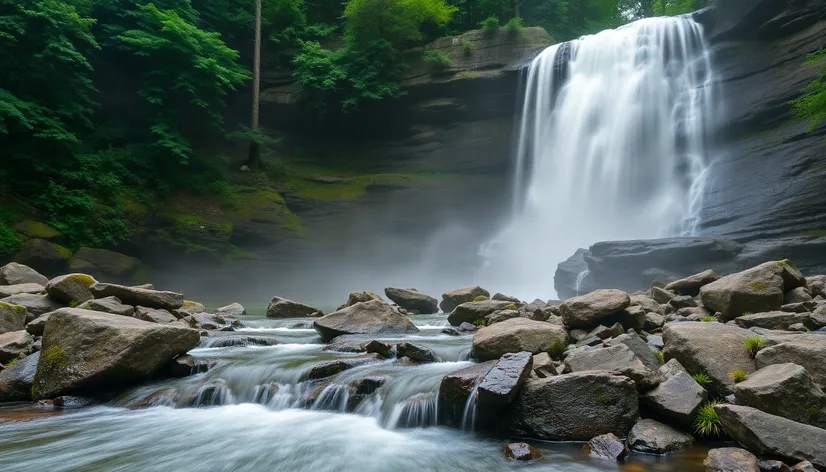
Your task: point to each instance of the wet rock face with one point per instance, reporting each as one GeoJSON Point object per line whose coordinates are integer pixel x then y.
{"type": "Point", "coordinates": [521, 452]}
{"type": "Point", "coordinates": [677, 398]}
{"type": "Point", "coordinates": [606, 446]}
{"type": "Point", "coordinates": [653, 437]}
{"type": "Point", "coordinates": [411, 299]}
{"type": "Point", "coordinates": [455, 389]}
{"type": "Point", "coordinates": [329, 368]}
{"type": "Point", "coordinates": [16, 381]}
{"type": "Point", "coordinates": [415, 353]}
{"type": "Point", "coordinates": [502, 383]}
{"type": "Point", "coordinates": [728, 459]}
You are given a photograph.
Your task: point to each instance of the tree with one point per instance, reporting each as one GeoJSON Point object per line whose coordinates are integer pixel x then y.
{"type": "Point", "coordinates": [255, 151]}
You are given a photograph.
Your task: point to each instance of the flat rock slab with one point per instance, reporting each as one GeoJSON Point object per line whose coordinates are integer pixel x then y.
{"type": "Point", "coordinates": [772, 435]}
{"type": "Point", "coordinates": [9, 290]}
{"type": "Point", "coordinates": [808, 351]}
{"type": "Point", "coordinates": [108, 305]}
{"type": "Point", "coordinates": [411, 299]}
{"type": "Point", "coordinates": [574, 407]}
{"type": "Point", "coordinates": [35, 304]}
{"type": "Point", "coordinates": [85, 352]}
{"type": "Point", "coordinates": [653, 437]}
{"type": "Point", "coordinates": [501, 385]}
{"type": "Point", "coordinates": [691, 285]}
{"type": "Point", "coordinates": [516, 335]}
{"type": "Point", "coordinates": [616, 359]}
{"type": "Point", "coordinates": [369, 318]}
{"type": "Point", "coordinates": [153, 315]}
{"type": "Point", "coordinates": [283, 308]}
{"type": "Point", "coordinates": [139, 296]}
{"type": "Point", "coordinates": [777, 320]}
{"type": "Point", "coordinates": [785, 390]}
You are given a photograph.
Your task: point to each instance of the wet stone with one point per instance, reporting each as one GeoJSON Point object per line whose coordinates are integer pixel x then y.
{"type": "Point", "coordinates": [606, 446]}
{"type": "Point", "coordinates": [521, 452]}
{"type": "Point", "coordinates": [501, 385]}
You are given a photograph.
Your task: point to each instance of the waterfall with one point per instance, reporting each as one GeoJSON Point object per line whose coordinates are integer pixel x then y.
{"type": "Point", "coordinates": [612, 146]}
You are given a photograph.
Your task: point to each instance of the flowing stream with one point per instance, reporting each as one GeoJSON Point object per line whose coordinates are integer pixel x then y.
{"type": "Point", "coordinates": [612, 146]}
{"type": "Point", "coordinates": [252, 412]}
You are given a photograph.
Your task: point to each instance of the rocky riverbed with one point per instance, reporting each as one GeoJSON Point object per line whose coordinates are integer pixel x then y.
{"type": "Point", "coordinates": [710, 372]}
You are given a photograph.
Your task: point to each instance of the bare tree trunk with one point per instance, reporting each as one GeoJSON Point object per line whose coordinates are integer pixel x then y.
{"type": "Point", "coordinates": [254, 158]}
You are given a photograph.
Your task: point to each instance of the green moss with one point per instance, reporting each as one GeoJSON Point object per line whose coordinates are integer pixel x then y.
{"type": "Point", "coordinates": [757, 286]}
{"type": "Point", "coordinates": [36, 229]}
{"type": "Point", "coordinates": [11, 363]}
{"type": "Point", "coordinates": [784, 263]}
{"type": "Point", "coordinates": [10, 306]}
{"type": "Point", "coordinates": [814, 412]}
{"type": "Point", "coordinates": [479, 323]}
{"type": "Point", "coordinates": [510, 307]}
{"type": "Point", "coordinates": [556, 349]}
{"type": "Point", "coordinates": [660, 357]}
{"type": "Point", "coordinates": [746, 313]}
{"type": "Point", "coordinates": [739, 376]}
{"type": "Point", "coordinates": [708, 318]}
{"type": "Point", "coordinates": [73, 304]}
{"type": "Point", "coordinates": [480, 298]}
{"type": "Point", "coordinates": [818, 233]}
{"type": "Point", "coordinates": [263, 204]}
{"type": "Point", "coordinates": [85, 279]}
{"type": "Point", "coordinates": [64, 252]}
{"type": "Point", "coordinates": [53, 364]}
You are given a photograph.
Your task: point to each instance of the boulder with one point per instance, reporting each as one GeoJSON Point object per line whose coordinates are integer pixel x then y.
{"type": "Point", "coordinates": [370, 318]}
{"type": "Point", "coordinates": [756, 290]}
{"type": "Point", "coordinates": [15, 345]}
{"type": "Point", "coordinates": [15, 274]}
{"type": "Point", "coordinates": [505, 298]}
{"type": "Point", "coordinates": [35, 305]}
{"type": "Point", "coordinates": [502, 383]}
{"type": "Point", "coordinates": [640, 348]}
{"type": "Point", "coordinates": [12, 317]}
{"type": "Point", "coordinates": [521, 452]}
{"type": "Point", "coordinates": [771, 435]}
{"type": "Point", "coordinates": [797, 295]}
{"type": "Point", "coordinates": [773, 466]}
{"type": "Point", "coordinates": [817, 285]}
{"type": "Point", "coordinates": [713, 349]}
{"type": "Point", "coordinates": [808, 351]}
{"type": "Point", "coordinates": [358, 297]}
{"type": "Point", "coordinates": [411, 299]}
{"type": "Point", "coordinates": [28, 229]}
{"type": "Point", "coordinates": [473, 312]}
{"type": "Point", "coordinates": [671, 368]}
{"type": "Point", "coordinates": [587, 310]}
{"type": "Point", "coordinates": [573, 407]}
{"type": "Point", "coordinates": [16, 381]}
{"type": "Point", "coordinates": [516, 335]}
{"type": "Point", "coordinates": [653, 321]}
{"type": "Point", "coordinates": [454, 298]}
{"type": "Point", "coordinates": [543, 366]}
{"type": "Point", "coordinates": [325, 369]}
{"type": "Point", "coordinates": [785, 390]}
{"type": "Point", "coordinates": [804, 466]}
{"type": "Point", "coordinates": [661, 295]}
{"type": "Point", "coordinates": [606, 446]}
{"type": "Point", "coordinates": [139, 296]}
{"type": "Point", "coordinates": [36, 326]}
{"type": "Point", "coordinates": [455, 389]}
{"type": "Point", "coordinates": [777, 320]}
{"type": "Point", "coordinates": [104, 263]}
{"type": "Point", "coordinates": [648, 304]}
{"type": "Point", "coordinates": [618, 359]}
{"type": "Point", "coordinates": [731, 459]}
{"type": "Point", "coordinates": [108, 305]}
{"type": "Point", "coordinates": [85, 352]}
{"type": "Point", "coordinates": [415, 353]}
{"type": "Point", "coordinates": [283, 308]}
{"type": "Point", "coordinates": [190, 308]}
{"type": "Point", "coordinates": [653, 437]}
{"type": "Point", "coordinates": [71, 288]}
{"type": "Point", "coordinates": [677, 398]}
{"type": "Point", "coordinates": [604, 332]}
{"type": "Point", "coordinates": [682, 301]}
{"type": "Point", "coordinates": [501, 315]}
{"type": "Point", "coordinates": [43, 256]}
{"type": "Point", "coordinates": [691, 285]}
{"type": "Point", "coordinates": [153, 315]}
{"type": "Point", "coordinates": [233, 309]}
{"type": "Point", "coordinates": [10, 290]}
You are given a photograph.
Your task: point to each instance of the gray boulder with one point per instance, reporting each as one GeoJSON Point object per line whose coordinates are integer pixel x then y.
{"type": "Point", "coordinates": [283, 308]}
{"type": "Point", "coordinates": [36, 305]}
{"type": "Point", "coordinates": [502, 383]}
{"type": "Point", "coordinates": [505, 298]}
{"type": "Point", "coordinates": [678, 398]}
{"type": "Point", "coordinates": [731, 459]}
{"type": "Point", "coordinates": [521, 452]}
{"type": "Point", "coordinates": [817, 284]}
{"type": "Point", "coordinates": [411, 299]}
{"type": "Point", "coordinates": [14, 274]}
{"type": "Point", "coordinates": [501, 315]}
{"type": "Point", "coordinates": [640, 348]}
{"type": "Point", "coordinates": [808, 351]}
{"type": "Point", "coordinates": [573, 407]}
{"type": "Point", "coordinates": [43, 255]}
{"type": "Point", "coordinates": [661, 295]}
{"type": "Point", "coordinates": [108, 305]}
{"type": "Point", "coordinates": [785, 390]}
{"type": "Point", "coordinates": [15, 345]}
{"type": "Point", "coordinates": [153, 315]}
{"type": "Point", "coordinates": [606, 446]}
{"type": "Point", "coordinates": [777, 320]}
{"type": "Point", "coordinates": [325, 369]}
{"type": "Point", "coordinates": [619, 360]}
{"type": "Point", "coordinates": [16, 381]}
{"type": "Point", "coordinates": [9, 290]}
{"type": "Point", "coordinates": [653, 321]}
{"type": "Point", "coordinates": [797, 295]}
{"type": "Point", "coordinates": [543, 366]}
{"type": "Point", "coordinates": [104, 263]}
{"type": "Point", "coordinates": [36, 326]}
{"type": "Point", "coordinates": [415, 353]}
{"type": "Point", "coordinates": [771, 435]}
{"type": "Point", "coordinates": [516, 335]}
{"type": "Point", "coordinates": [233, 309]}
{"type": "Point", "coordinates": [139, 296]}
{"type": "Point", "coordinates": [473, 312]}
{"type": "Point", "coordinates": [713, 349]}
{"type": "Point", "coordinates": [653, 437]}
{"type": "Point", "coordinates": [454, 298]}
{"type": "Point", "coordinates": [691, 285]}
{"type": "Point", "coordinates": [804, 466]}
{"type": "Point", "coordinates": [71, 288]}
{"type": "Point", "coordinates": [12, 317]}
{"type": "Point", "coordinates": [773, 466]}
{"type": "Point", "coordinates": [370, 318]}
{"type": "Point", "coordinates": [85, 352]}
{"type": "Point", "coordinates": [587, 310]}
{"type": "Point", "coordinates": [648, 304]}
{"type": "Point", "coordinates": [455, 389]}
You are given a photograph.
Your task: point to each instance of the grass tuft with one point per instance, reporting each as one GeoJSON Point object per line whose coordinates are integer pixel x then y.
{"type": "Point", "coordinates": [660, 357]}
{"type": "Point", "coordinates": [701, 378]}
{"type": "Point", "coordinates": [739, 376]}
{"type": "Point", "coordinates": [753, 344]}
{"type": "Point", "coordinates": [708, 318]}
{"type": "Point", "coordinates": [707, 423]}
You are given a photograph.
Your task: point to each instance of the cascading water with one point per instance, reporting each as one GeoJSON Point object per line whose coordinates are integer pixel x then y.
{"type": "Point", "coordinates": [612, 146]}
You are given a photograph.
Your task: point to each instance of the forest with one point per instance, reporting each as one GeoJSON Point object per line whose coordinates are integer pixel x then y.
{"type": "Point", "coordinates": [102, 101]}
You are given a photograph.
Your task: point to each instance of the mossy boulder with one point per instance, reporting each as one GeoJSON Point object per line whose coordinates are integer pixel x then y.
{"type": "Point", "coordinates": [454, 298]}
{"type": "Point", "coordinates": [30, 229]}
{"type": "Point", "coordinates": [12, 317]}
{"type": "Point", "coordinates": [43, 255]}
{"type": "Point", "coordinates": [35, 304]}
{"type": "Point", "coordinates": [104, 264]}
{"type": "Point", "coordinates": [72, 289]}
{"type": "Point", "coordinates": [14, 273]}
{"type": "Point", "coordinates": [86, 352]}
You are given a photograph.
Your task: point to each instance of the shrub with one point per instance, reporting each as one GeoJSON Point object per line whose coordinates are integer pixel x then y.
{"type": "Point", "coordinates": [739, 376]}
{"type": "Point", "coordinates": [514, 26]}
{"type": "Point", "coordinates": [660, 357]}
{"type": "Point", "coordinates": [479, 323]}
{"type": "Point", "coordinates": [708, 318]}
{"type": "Point", "coordinates": [490, 24]}
{"type": "Point", "coordinates": [746, 313]}
{"type": "Point", "coordinates": [9, 242]}
{"type": "Point", "coordinates": [437, 59]}
{"type": "Point", "coordinates": [466, 47]}
{"type": "Point", "coordinates": [556, 349]}
{"type": "Point", "coordinates": [753, 344]}
{"type": "Point", "coordinates": [702, 379]}
{"type": "Point", "coordinates": [707, 423]}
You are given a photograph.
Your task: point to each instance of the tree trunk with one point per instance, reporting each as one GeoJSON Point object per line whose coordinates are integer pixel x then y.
{"type": "Point", "coordinates": [254, 158]}
{"type": "Point", "coordinates": [517, 6]}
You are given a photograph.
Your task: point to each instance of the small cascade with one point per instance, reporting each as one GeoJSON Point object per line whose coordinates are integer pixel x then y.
{"type": "Point", "coordinates": [419, 411]}
{"type": "Point", "coordinates": [469, 415]}
{"type": "Point", "coordinates": [237, 341]}
{"type": "Point", "coordinates": [215, 393]}
{"type": "Point", "coordinates": [334, 397]}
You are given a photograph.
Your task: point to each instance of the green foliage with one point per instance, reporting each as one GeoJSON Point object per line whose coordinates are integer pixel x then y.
{"type": "Point", "coordinates": [479, 323]}
{"type": "Point", "coordinates": [467, 48]}
{"type": "Point", "coordinates": [437, 59]}
{"type": "Point", "coordinates": [514, 26]}
{"type": "Point", "coordinates": [708, 318]}
{"type": "Point", "coordinates": [746, 313]}
{"type": "Point", "coordinates": [707, 423]}
{"type": "Point", "coordinates": [490, 24]}
{"type": "Point", "coordinates": [812, 105]}
{"type": "Point", "coordinates": [660, 357]}
{"type": "Point", "coordinates": [11, 363]}
{"type": "Point", "coordinates": [557, 349]}
{"type": "Point", "coordinates": [739, 376]}
{"type": "Point", "coordinates": [397, 21]}
{"type": "Point", "coordinates": [480, 298]}
{"type": "Point", "coordinates": [753, 344]}
{"type": "Point", "coordinates": [701, 378]}
{"type": "Point", "coordinates": [9, 242]}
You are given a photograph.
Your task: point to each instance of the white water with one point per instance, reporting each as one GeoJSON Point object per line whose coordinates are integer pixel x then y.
{"type": "Point", "coordinates": [612, 146]}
